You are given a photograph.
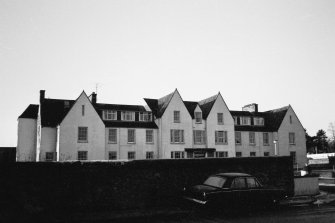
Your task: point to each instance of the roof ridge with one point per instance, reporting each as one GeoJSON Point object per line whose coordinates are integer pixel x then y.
{"type": "Point", "coordinates": [279, 109]}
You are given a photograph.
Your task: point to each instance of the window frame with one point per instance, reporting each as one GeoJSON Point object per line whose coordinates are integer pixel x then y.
{"type": "Point", "coordinates": [48, 159]}
{"type": "Point", "coordinates": [221, 154]}
{"type": "Point", "coordinates": [128, 135]}
{"type": "Point", "coordinates": [291, 138]}
{"type": "Point", "coordinates": [220, 118]}
{"type": "Point", "coordinates": [149, 155]}
{"type": "Point", "coordinates": [202, 136]}
{"type": "Point", "coordinates": [81, 138]}
{"type": "Point", "coordinates": [224, 137]}
{"type": "Point", "coordinates": [176, 116]}
{"type": "Point", "coordinates": [125, 116]}
{"type": "Point", "coordinates": [177, 133]}
{"type": "Point", "coordinates": [294, 155]}
{"type": "Point", "coordinates": [82, 155]}
{"type": "Point", "coordinates": [181, 154]}
{"type": "Point", "coordinates": [145, 117]}
{"type": "Point", "coordinates": [243, 118]}
{"type": "Point", "coordinates": [266, 143]}
{"type": "Point", "coordinates": [236, 134]}
{"type": "Point", "coordinates": [253, 154]}
{"type": "Point", "coordinates": [111, 155]}
{"type": "Point", "coordinates": [198, 117]}
{"type": "Point", "coordinates": [253, 143]}
{"type": "Point", "coordinates": [109, 136]}
{"type": "Point", "coordinates": [258, 122]}
{"type": "Point", "coordinates": [111, 113]}
{"type": "Point", "coordinates": [133, 155]}
{"type": "Point", "coordinates": [240, 154]}
{"type": "Point", "coordinates": [148, 136]}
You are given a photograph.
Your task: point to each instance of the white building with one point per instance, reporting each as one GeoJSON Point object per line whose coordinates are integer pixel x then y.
{"type": "Point", "coordinates": [168, 127]}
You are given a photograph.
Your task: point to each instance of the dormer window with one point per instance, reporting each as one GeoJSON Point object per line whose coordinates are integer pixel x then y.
{"type": "Point", "coordinates": [245, 121]}
{"type": "Point", "coordinates": [128, 116]}
{"type": "Point", "coordinates": [198, 117]}
{"type": "Point", "coordinates": [109, 115]}
{"type": "Point", "coordinates": [145, 116]}
{"type": "Point", "coordinates": [258, 121]}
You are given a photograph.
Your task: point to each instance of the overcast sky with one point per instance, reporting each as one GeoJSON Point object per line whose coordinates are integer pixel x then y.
{"type": "Point", "coordinates": [273, 53]}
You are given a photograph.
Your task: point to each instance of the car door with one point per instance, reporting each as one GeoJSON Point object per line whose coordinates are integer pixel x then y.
{"type": "Point", "coordinates": [240, 192]}
{"type": "Point", "coordinates": [256, 195]}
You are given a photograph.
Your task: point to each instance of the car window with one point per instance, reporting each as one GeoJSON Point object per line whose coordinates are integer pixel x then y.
{"type": "Point", "coordinates": [215, 181]}
{"type": "Point", "coordinates": [252, 183]}
{"type": "Point", "coordinates": [238, 183]}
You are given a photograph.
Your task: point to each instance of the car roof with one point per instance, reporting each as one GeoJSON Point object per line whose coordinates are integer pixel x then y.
{"type": "Point", "coordinates": [233, 175]}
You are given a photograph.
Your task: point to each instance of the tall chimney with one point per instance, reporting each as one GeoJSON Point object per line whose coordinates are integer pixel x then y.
{"type": "Point", "coordinates": [42, 95]}
{"type": "Point", "coordinates": [94, 98]}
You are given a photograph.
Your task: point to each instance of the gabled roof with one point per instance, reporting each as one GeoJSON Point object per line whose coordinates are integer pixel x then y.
{"type": "Point", "coordinates": [191, 106]}
{"type": "Point", "coordinates": [31, 112]}
{"type": "Point", "coordinates": [53, 112]}
{"type": "Point", "coordinates": [272, 120]}
{"type": "Point", "coordinates": [158, 106]}
{"type": "Point", "coordinates": [206, 105]}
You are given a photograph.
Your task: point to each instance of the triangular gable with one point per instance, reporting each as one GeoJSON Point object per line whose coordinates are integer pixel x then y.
{"type": "Point", "coordinates": [85, 95]}
{"type": "Point", "coordinates": [191, 106]}
{"type": "Point", "coordinates": [206, 105]}
{"type": "Point", "coordinates": [287, 108]}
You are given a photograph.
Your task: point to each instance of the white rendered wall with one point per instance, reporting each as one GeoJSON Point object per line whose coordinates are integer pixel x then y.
{"type": "Point", "coordinates": [199, 126]}
{"type": "Point", "coordinates": [212, 126]}
{"type": "Point", "coordinates": [26, 140]}
{"type": "Point", "coordinates": [48, 141]}
{"type": "Point", "coordinates": [140, 147]}
{"type": "Point", "coordinates": [167, 123]}
{"type": "Point", "coordinates": [259, 148]}
{"type": "Point", "coordinates": [68, 136]}
{"type": "Point", "coordinates": [300, 138]}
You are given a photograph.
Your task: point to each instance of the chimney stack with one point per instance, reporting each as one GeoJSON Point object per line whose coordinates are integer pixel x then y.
{"type": "Point", "coordinates": [94, 98]}
{"type": "Point", "coordinates": [42, 95]}
{"type": "Point", "coordinates": [251, 107]}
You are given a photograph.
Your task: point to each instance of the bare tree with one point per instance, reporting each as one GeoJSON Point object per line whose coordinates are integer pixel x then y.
{"type": "Point", "coordinates": [331, 130]}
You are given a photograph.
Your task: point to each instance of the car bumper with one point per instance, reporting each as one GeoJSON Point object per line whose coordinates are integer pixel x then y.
{"type": "Point", "coordinates": [196, 200]}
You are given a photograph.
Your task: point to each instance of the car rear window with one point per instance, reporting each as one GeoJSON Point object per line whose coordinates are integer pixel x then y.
{"type": "Point", "coordinates": [215, 181]}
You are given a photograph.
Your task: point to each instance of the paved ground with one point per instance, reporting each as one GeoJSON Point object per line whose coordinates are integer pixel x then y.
{"type": "Point", "coordinates": [323, 210]}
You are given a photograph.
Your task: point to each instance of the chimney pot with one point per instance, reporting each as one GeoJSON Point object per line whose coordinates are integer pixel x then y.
{"type": "Point", "coordinates": [42, 95]}
{"type": "Point", "coordinates": [94, 98]}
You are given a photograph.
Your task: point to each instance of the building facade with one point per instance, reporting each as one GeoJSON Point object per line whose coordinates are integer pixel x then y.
{"type": "Point", "coordinates": [168, 127]}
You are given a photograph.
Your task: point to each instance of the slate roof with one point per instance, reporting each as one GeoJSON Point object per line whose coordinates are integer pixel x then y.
{"type": "Point", "coordinates": [158, 106]}
{"type": "Point", "coordinates": [191, 106]}
{"type": "Point", "coordinates": [30, 112]}
{"type": "Point", "coordinates": [206, 105]}
{"type": "Point", "coordinates": [272, 120]}
{"type": "Point", "coordinates": [53, 112]}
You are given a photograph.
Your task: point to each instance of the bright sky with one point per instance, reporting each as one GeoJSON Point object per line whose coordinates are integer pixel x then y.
{"type": "Point", "coordinates": [273, 53]}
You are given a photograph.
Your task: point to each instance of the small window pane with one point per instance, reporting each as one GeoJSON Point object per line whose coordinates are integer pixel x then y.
{"type": "Point", "coordinates": [82, 155]}
{"type": "Point", "coordinates": [220, 118]}
{"type": "Point", "coordinates": [112, 155]}
{"type": "Point", "coordinates": [131, 135]}
{"type": "Point", "coordinates": [82, 134]}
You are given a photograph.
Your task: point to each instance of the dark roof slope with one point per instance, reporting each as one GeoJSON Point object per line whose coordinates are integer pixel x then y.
{"type": "Point", "coordinates": [206, 105]}
{"type": "Point", "coordinates": [272, 120]}
{"type": "Point", "coordinates": [191, 106]}
{"type": "Point", "coordinates": [118, 107]}
{"type": "Point", "coordinates": [30, 112]}
{"type": "Point", "coordinates": [53, 111]}
{"type": "Point", "coordinates": [158, 106]}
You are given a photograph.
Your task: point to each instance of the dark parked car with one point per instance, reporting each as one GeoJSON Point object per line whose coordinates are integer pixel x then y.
{"type": "Point", "coordinates": [233, 190]}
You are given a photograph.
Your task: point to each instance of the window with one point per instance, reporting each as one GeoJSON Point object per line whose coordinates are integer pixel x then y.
{"type": "Point", "coordinates": [252, 183]}
{"type": "Point", "coordinates": [149, 155]}
{"type": "Point", "coordinates": [177, 155]}
{"type": "Point", "coordinates": [198, 117]}
{"type": "Point", "coordinates": [176, 116]}
{"type": "Point", "coordinates": [258, 121]}
{"type": "Point", "coordinates": [131, 155]}
{"type": "Point", "coordinates": [221, 137]}
{"type": "Point", "coordinates": [220, 118]}
{"type": "Point", "coordinates": [252, 138]}
{"type": "Point", "coordinates": [82, 134]}
{"type": "Point", "coordinates": [149, 136]}
{"type": "Point", "coordinates": [215, 181]}
{"type": "Point", "coordinates": [221, 154]}
{"type": "Point", "coordinates": [290, 119]}
{"type": "Point", "coordinates": [145, 116]}
{"type": "Point", "coordinates": [199, 137]}
{"type": "Point", "coordinates": [239, 183]}
{"type": "Point", "coordinates": [112, 135]}
{"type": "Point", "coordinates": [266, 154]}
{"type": "Point", "coordinates": [265, 138]}
{"type": "Point", "coordinates": [83, 110]}
{"type": "Point", "coordinates": [238, 138]}
{"type": "Point", "coordinates": [238, 154]}
{"type": "Point", "coordinates": [235, 120]}
{"type": "Point", "coordinates": [294, 156]}
{"type": "Point", "coordinates": [82, 155]}
{"type": "Point", "coordinates": [177, 136]}
{"type": "Point", "coordinates": [112, 155]}
{"type": "Point", "coordinates": [50, 156]}
{"type": "Point", "coordinates": [109, 115]}
{"type": "Point", "coordinates": [291, 136]}
{"type": "Point", "coordinates": [245, 120]}
{"type": "Point", "coordinates": [128, 116]}
{"type": "Point", "coordinates": [131, 136]}
{"type": "Point", "coordinates": [252, 153]}
{"type": "Point", "coordinates": [210, 154]}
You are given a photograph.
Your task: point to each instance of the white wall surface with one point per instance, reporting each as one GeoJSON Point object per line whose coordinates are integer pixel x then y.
{"type": "Point", "coordinates": [26, 140]}
{"type": "Point", "coordinates": [48, 141]}
{"type": "Point", "coordinates": [69, 145]}
{"type": "Point", "coordinates": [259, 147]}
